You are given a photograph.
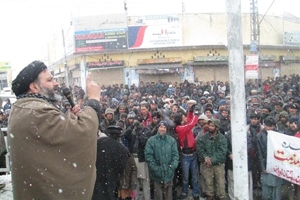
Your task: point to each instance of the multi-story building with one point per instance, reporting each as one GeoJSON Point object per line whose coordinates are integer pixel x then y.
{"type": "Point", "coordinates": [129, 49]}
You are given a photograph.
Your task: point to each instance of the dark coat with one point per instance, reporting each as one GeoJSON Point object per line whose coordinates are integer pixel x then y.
{"type": "Point", "coordinates": [112, 159]}
{"type": "Point", "coordinates": [139, 136]}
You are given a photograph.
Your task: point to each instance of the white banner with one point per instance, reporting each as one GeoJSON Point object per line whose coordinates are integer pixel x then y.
{"type": "Point", "coordinates": [283, 157]}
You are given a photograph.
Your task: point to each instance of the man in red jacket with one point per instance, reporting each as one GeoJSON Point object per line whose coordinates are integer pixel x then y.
{"type": "Point", "coordinates": [188, 156]}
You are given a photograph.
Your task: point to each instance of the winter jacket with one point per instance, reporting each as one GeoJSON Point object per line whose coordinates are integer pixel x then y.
{"type": "Point", "coordinates": [214, 148]}
{"type": "Point", "coordinates": [105, 124]}
{"type": "Point", "coordinates": [162, 157]}
{"type": "Point", "coordinates": [146, 121]}
{"type": "Point", "coordinates": [262, 140]}
{"type": "Point", "coordinates": [137, 138]}
{"type": "Point", "coordinates": [53, 154]}
{"type": "Point", "coordinates": [128, 179]}
{"type": "Point", "coordinates": [112, 158]}
{"type": "Point", "coordinates": [185, 133]}
{"type": "Point", "coordinates": [229, 163]}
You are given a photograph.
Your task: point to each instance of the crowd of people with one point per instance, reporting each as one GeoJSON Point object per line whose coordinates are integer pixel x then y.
{"type": "Point", "coordinates": [143, 142]}
{"type": "Point", "coordinates": [196, 117]}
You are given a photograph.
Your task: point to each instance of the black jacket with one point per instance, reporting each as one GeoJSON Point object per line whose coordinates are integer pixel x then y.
{"type": "Point", "coordinates": [137, 136]}
{"type": "Point", "coordinates": [112, 158]}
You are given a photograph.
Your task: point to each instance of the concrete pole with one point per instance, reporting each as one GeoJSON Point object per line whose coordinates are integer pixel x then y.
{"type": "Point", "coordinates": [83, 73]}
{"type": "Point", "coordinates": [65, 61]}
{"type": "Point", "coordinates": [237, 98]}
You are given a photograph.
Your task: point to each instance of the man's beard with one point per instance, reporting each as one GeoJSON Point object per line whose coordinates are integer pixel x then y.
{"type": "Point", "coordinates": [50, 94]}
{"type": "Point", "coordinates": [212, 131]}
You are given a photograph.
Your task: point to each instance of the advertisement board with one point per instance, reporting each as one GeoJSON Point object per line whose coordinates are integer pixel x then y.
{"type": "Point", "coordinates": [155, 31]}
{"type": "Point", "coordinates": [100, 33]}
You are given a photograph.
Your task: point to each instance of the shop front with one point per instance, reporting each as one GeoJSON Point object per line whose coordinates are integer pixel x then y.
{"type": "Point", "coordinates": [107, 73]}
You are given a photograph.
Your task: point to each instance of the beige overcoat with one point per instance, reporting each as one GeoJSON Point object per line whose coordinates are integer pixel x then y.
{"type": "Point", "coordinates": [53, 154]}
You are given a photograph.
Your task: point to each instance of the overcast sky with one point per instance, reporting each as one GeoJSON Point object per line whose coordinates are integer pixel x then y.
{"type": "Point", "coordinates": [27, 25]}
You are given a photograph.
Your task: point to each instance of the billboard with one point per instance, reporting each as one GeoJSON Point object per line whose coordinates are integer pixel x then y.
{"type": "Point", "coordinates": [154, 31]}
{"type": "Point", "coordinates": [100, 33]}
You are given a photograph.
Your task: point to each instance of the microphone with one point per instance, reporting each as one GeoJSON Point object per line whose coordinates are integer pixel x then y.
{"type": "Point", "coordinates": [67, 94]}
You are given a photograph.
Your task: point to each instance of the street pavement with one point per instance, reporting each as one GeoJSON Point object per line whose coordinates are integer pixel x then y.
{"type": "Point", "coordinates": [6, 192]}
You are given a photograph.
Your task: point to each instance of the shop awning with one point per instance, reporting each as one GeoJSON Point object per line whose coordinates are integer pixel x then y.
{"type": "Point", "coordinates": [208, 63]}
{"type": "Point", "coordinates": [159, 69]}
{"type": "Point", "coordinates": [100, 68]}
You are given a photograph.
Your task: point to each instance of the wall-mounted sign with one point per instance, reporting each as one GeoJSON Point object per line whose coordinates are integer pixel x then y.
{"type": "Point", "coordinates": [292, 38]}
{"type": "Point", "coordinates": [105, 64]}
{"type": "Point", "coordinates": [252, 66]}
{"type": "Point", "coordinates": [159, 61]}
{"type": "Point", "coordinates": [210, 58]}
{"type": "Point", "coordinates": [155, 31]}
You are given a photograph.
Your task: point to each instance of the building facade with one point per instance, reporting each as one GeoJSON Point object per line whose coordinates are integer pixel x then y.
{"type": "Point", "coordinates": [128, 49]}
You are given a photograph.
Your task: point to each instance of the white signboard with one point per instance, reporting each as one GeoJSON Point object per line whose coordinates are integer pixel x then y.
{"type": "Point", "coordinates": [283, 156]}
{"type": "Point", "coordinates": [252, 62]}
{"type": "Point", "coordinates": [155, 31]}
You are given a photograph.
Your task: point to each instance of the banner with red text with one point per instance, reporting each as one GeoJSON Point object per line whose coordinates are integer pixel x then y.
{"type": "Point", "coordinates": [283, 157]}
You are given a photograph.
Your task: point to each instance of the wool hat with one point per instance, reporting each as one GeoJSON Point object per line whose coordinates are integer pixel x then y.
{"type": "Point", "coordinates": [26, 76]}
{"type": "Point", "coordinates": [270, 121]}
{"type": "Point", "coordinates": [165, 123]}
{"type": "Point", "coordinates": [216, 122]}
{"type": "Point", "coordinates": [294, 120]}
{"type": "Point", "coordinates": [284, 114]}
{"type": "Point", "coordinates": [203, 117]}
{"type": "Point", "coordinates": [293, 106]}
{"type": "Point", "coordinates": [114, 130]}
{"type": "Point", "coordinates": [222, 102]}
{"type": "Point", "coordinates": [109, 110]}
{"type": "Point", "coordinates": [191, 102]}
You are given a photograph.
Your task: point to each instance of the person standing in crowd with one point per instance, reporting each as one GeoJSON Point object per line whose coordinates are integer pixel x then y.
{"type": "Point", "coordinates": [108, 121]}
{"type": "Point", "coordinates": [7, 106]}
{"type": "Point", "coordinates": [199, 126]}
{"type": "Point", "coordinates": [293, 189]}
{"type": "Point", "coordinates": [162, 157]}
{"type": "Point", "coordinates": [293, 110]}
{"type": "Point", "coordinates": [189, 164]}
{"type": "Point", "coordinates": [222, 106]}
{"type": "Point", "coordinates": [271, 184]}
{"type": "Point", "coordinates": [137, 135]}
{"type": "Point", "coordinates": [292, 127]}
{"type": "Point", "coordinates": [112, 160]}
{"type": "Point", "coordinates": [211, 150]}
{"type": "Point", "coordinates": [283, 121]}
{"type": "Point", "coordinates": [145, 114]}
{"type": "Point", "coordinates": [43, 131]}
{"type": "Point", "coordinates": [229, 166]}
{"type": "Point", "coordinates": [254, 129]}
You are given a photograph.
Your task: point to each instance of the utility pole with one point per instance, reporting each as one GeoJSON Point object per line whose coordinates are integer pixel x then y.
{"type": "Point", "coordinates": [237, 99]}
{"type": "Point", "coordinates": [254, 27]}
{"type": "Point", "coordinates": [65, 61]}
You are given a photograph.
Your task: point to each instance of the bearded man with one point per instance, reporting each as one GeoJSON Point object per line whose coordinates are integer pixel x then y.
{"type": "Point", "coordinates": [212, 149]}
{"type": "Point", "coordinates": [53, 154]}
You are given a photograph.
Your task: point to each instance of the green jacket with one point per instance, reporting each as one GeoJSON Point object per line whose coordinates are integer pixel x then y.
{"type": "Point", "coordinates": [161, 154]}
{"type": "Point", "coordinates": [214, 148]}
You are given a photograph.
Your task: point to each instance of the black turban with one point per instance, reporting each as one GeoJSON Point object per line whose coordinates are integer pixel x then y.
{"type": "Point", "coordinates": [21, 83]}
